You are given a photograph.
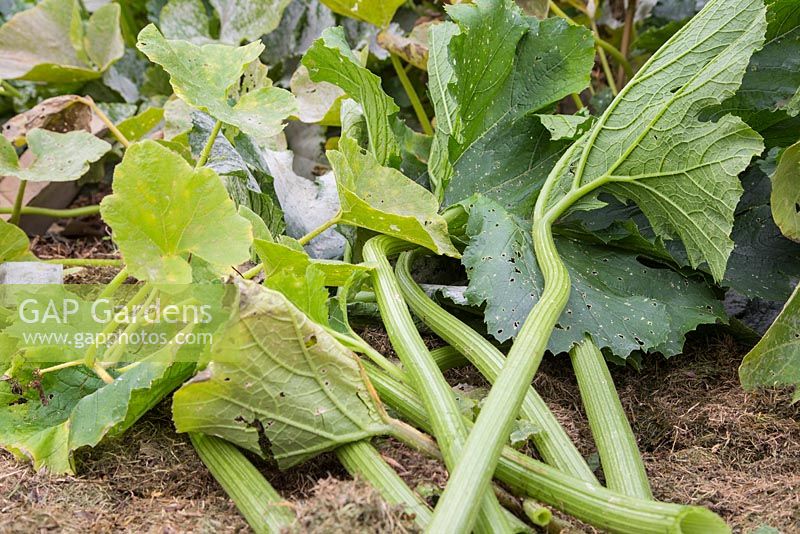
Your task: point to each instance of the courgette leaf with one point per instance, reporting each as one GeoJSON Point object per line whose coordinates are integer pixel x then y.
{"type": "Point", "coordinates": [208, 77]}
{"type": "Point", "coordinates": [278, 385]}
{"type": "Point", "coordinates": [159, 216]}
{"type": "Point", "coordinates": [60, 157]}
{"type": "Point", "coordinates": [623, 304]}
{"type": "Point", "coordinates": [77, 409]}
{"type": "Point", "coordinates": [652, 147]}
{"type": "Point", "coordinates": [775, 360]}
{"type": "Point", "coordinates": [487, 141]}
{"type": "Point", "coordinates": [330, 60]}
{"type": "Point", "coordinates": [13, 243]}
{"type": "Point", "coordinates": [384, 200]}
{"type": "Point", "coordinates": [246, 20]}
{"type": "Point", "coordinates": [378, 13]}
{"type": "Point", "coordinates": [49, 43]}
{"type": "Point", "coordinates": [785, 197]}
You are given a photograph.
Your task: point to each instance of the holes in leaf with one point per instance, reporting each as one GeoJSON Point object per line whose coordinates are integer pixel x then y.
{"type": "Point", "coordinates": [311, 341]}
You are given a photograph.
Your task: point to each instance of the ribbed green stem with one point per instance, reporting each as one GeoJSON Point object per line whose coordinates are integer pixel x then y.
{"type": "Point", "coordinates": [538, 514]}
{"type": "Point", "coordinates": [264, 509]}
{"type": "Point", "coordinates": [361, 459]}
{"type": "Point", "coordinates": [114, 284]}
{"type": "Point", "coordinates": [55, 213]}
{"type": "Point", "coordinates": [333, 221]}
{"type": "Point", "coordinates": [356, 344]}
{"type": "Point", "coordinates": [427, 379]}
{"type": "Point", "coordinates": [448, 358]}
{"type": "Point", "coordinates": [616, 444]}
{"type": "Point", "coordinates": [552, 442]}
{"type": "Point", "coordinates": [455, 511]}
{"type": "Point", "coordinates": [591, 503]}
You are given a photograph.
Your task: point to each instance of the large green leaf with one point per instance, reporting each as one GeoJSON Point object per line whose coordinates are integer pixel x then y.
{"type": "Point", "coordinates": [48, 43]}
{"type": "Point", "coordinates": [278, 385]}
{"type": "Point", "coordinates": [246, 20]}
{"type": "Point", "coordinates": [378, 13]}
{"type": "Point", "coordinates": [770, 90]}
{"type": "Point", "coordinates": [77, 409]}
{"type": "Point", "coordinates": [486, 140]}
{"type": "Point", "coordinates": [330, 60]}
{"type": "Point", "coordinates": [384, 200]}
{"type": "Point", "coordinates": [60, 157]}
{"type": "Point", "coordinates": [185, 19]}
{"type": "Point", "coordinates": [205, 76]}
{"type": "Point", "coordinates": [623, 304]}
{"type": "Point", "coordinates": [13, 243]}
{"type": "Point", "coordinates": [652, 147]}
{"type": "Point", "coordinates": [775, 360]}
{"type": "Point", "coordinates": [785, 197]}
{"type": "Point", "coordinates": [163, 211]}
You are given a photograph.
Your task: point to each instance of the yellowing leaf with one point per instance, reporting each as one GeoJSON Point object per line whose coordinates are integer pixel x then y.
{"type": "Point", "coordinates": [377, 12]}
{"type": "Point", "coordinates": [205, 77]}
{"type": "Point", "coordinates": [47, 43]}
{"type": "Point", "coordinates": [60, 157]}
{"type": "Point", "coordinates": [163, 210]}
{"type": "Point", "coordinates": [384, 200]}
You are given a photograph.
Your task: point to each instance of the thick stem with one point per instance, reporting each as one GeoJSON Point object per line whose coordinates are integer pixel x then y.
{"type": "Point", "coordinates": [55, 213]}
{"type": "Point", "coordinates": [202, 159]}
{"type": "Point", "coordinates": [552, 442]}
{"type": "Point", "coordinates": [591, 503]}
{"type": "Point", "coordinates": [363, 460]}
{"type": "Point", "coordinates": [17, 209]}
{"type": "Point", "coordinates": [616, 444]}
{"type": "Point", "coordinates": [473, 473]}
{"type": "Point", "coordinates": [412, 95]}
{"type": "Point", "coordinates": [263, 507]}
{"type": "Point", "coordinates": [435, 392]}
{"type": "Point", "coordinates": [538, 514]}
{"type": "Point", "coordinates": [306, 239]}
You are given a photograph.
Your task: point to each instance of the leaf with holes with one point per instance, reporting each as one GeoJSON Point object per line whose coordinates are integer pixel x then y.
{"type": "Point", "coordinates": [204, 77]}
{"type": "Point", "coordinates": [60, 157]}
{"type": "Point", "coordinates": [278, 385]}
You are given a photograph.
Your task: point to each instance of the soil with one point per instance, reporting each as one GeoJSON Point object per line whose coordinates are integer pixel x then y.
{"type": "Point", "coordinates": [704, 441]}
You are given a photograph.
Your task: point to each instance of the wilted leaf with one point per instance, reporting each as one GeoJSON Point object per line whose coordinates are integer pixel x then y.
{"type": "Point", "coordinates": [160, 213]}
{"type": "Point", "coordinates": [79, 410]}
{"type": "Point", "coordinates": [412, 48]}
{"type": "Point", "coordinates": [204, 76]}
{"type": "Point", "coordinates": [60, 157]}
{"type": "Point", "coordinates": [47, 43]}
{"type": "Point", "coordinates": [785, 198]}
{"type": "Point", "coordinates": [382, 199]}
{"type": "Point", "coordinates": [331, 60]}
{"type": "Point", "coordinates": [775, 361]}
{"type": "Point", "coordinates": [64, 113]}
{"type": "Point", "coordinates": [278, 385]}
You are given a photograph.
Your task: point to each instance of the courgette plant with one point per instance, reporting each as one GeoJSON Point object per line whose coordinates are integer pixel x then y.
{"type": "Point", "coordinates": [651, 147]}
